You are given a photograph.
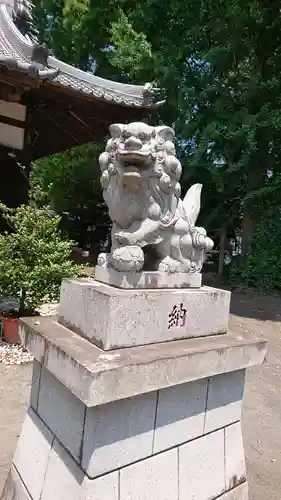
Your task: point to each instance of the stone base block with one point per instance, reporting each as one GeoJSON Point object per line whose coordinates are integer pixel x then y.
{"type": "Point", "coordinates": [104, 437]}
{"type": "Point", "coordinates": [113, 435]}
{"type": "Point", "coordinates": [185, 472]}
{"type": "Point", "coordinates": [114, 318]}
{"type": "Point", "coordinates": [62, 484]}
{"type": "Point", "coordinates": [147, 279]}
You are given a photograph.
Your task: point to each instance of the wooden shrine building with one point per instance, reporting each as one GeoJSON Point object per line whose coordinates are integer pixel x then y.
{"type": "Point", "coordinates": [47, 106]}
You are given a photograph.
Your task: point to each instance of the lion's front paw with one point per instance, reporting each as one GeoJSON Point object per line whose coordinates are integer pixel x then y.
{"type": "Point", "coordinates": [124, 238]}
{"type": "Point", "coordinates": [169, 265]}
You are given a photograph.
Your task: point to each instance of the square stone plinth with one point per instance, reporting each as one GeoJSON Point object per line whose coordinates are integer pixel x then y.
{"type": "Point", "coordinates": [114, 318]}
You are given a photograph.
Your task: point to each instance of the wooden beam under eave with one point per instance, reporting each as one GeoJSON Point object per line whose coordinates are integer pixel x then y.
{"type": "Point", "coordinates": [54, 91]}
{"type": "Point", "coordinates": [60, 117]}
{"type": "Point", "coordinates": [22, 82]}
{"type": "Point", "coordinates": [54, 134]}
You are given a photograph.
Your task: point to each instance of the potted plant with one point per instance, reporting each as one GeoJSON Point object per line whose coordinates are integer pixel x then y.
{"type": "Point", "coordinates": [10, 328]}
{"type": "Point", "coordinates": [34, 257]}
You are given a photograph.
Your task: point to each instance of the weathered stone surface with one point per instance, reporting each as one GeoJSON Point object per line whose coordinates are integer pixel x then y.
{"type": "Point", "coordinates": [239, 493]}
{"type": "Point", "coordinates": [147, 279]}
{"type": "Point", "coordinates": [63, 476]}
{"type": "Point", "coordinates": [62, 412]}
{"type": "Point", "coordinates": [36, 345]}
{"type": "Point", "coordinates": [35, 384]}
{"type": "Point", "coordinates": [91, 374]}
{"type": "Point", "coordinates": [180, 414]}
{"type": "Point", "coordinates": [224, 401]}
{"type": "Point", "coordinates": [33, 453]}
{"type": "Point", "coordinates": [14, 488]}
{"type": "Point", "coordinates": [201, 468]}
{"type": "Point", "coordinates": [117, 434]}
{"type": "Point", "coordinates": [235, 468]}
{"type": "Point", "coordinates": [151, 479]}
{"type": "Point", "coordinates": [114, 318]}
{"type": "Point", "coordinates": [140, 176]}
{"type": "Point", "coordinates": [65, 480]}
{"type": "Point", "coordinates": [102, 488]}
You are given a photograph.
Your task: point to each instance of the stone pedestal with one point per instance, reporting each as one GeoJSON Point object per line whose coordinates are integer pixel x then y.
{"type": "Point", "coordinates": [114, 318]}
{"type": "Point", "coordinates": [156, 421]}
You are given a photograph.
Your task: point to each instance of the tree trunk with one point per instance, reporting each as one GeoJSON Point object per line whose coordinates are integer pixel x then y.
{"type": "Point", "coordinates": [222, 247]}
{"type": "Point", "coordinates": [22, 303]}
{"type": "Point", "coordinates": [250, 216]}
{"type": "Point", "coordinates": [248, 227]}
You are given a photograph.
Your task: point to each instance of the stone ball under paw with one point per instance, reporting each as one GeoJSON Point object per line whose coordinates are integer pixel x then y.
{"type": "Point", "coordinates": [102, 259]}
{"type": "Point", "coordinates": [129, 258]}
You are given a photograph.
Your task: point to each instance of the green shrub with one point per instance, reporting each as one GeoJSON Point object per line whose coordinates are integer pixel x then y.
{"type": "Point", "coordinates": [34, 257]}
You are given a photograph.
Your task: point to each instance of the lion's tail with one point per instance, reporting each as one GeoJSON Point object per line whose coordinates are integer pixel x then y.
{"type": "Point", "coordinates": [191, 203]}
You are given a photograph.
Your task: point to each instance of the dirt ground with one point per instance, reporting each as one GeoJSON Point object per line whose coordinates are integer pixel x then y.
{"type": "Point", "coordinates": [14, 395]}
{"type": "Point", "coordinates": [262, 404]}
{"type": "Point", "coordinates": [260, 315]}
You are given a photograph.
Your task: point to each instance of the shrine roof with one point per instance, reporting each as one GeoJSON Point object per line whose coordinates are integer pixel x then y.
{"type": "Point", "coordinates": [19, 53]}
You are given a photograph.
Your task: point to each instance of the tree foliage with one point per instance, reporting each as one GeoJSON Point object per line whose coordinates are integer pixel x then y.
{"type": "Point", "coordinates": [69, 183]}
{"type": "Point", "coordinates": [263, 267]}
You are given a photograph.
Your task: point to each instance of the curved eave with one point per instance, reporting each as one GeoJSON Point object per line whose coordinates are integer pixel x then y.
{"type": "Point", "coordinates": [16, 54]}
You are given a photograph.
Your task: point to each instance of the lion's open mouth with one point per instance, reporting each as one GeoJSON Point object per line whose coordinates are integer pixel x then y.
{"type": "Point", "coordinates": [131, 171]}
{"type": "Point", "coordinates": [126, 157]}
{"type": "Point", "coordinates": [132, 177]}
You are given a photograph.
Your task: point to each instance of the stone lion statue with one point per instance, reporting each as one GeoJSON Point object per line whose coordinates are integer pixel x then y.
{"type": "Point", "coordinates": [153, 229]}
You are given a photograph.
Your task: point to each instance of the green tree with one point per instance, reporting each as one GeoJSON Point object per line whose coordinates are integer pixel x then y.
{"type": "Point", "coordinates": [69, 184]}
{"type": "Point", "coordinates": [34, 257]}
{"type": "Point", "coordinates": [262, 267]}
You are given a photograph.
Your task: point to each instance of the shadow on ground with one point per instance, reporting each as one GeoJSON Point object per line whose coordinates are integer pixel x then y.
{"type": "Point", "coordinates": [248, 304]}
{"type": "Point", "coordinates": [260, 307]}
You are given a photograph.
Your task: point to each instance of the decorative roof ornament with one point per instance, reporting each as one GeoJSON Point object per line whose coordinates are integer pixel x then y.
{"type": "Point", "coordinates": [149, 93]}
{"type": "Point", "coordinates": [20, 50]}
{"type": "Point", "coordinates": [23, 19]}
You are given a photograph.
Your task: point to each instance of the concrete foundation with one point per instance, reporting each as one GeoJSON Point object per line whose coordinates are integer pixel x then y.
{"type": "Point", "coordinates": [152, 422]}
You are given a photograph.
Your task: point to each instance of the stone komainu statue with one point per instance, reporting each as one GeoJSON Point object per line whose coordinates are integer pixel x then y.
{"type": "Point", "coordinates": [153, 229]}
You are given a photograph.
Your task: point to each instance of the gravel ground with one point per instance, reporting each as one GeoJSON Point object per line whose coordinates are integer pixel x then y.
{"type": "Point", "coordinates": [14, 354]}
{"type": "Point", "coordinates": [262, 405]}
